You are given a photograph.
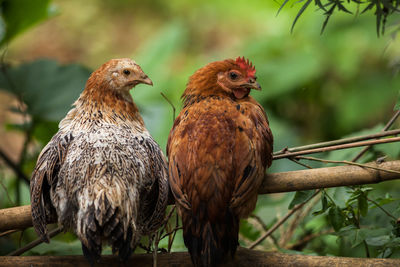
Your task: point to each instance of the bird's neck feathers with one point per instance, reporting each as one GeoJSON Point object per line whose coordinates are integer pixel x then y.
{"type": "Point", "coordinates": [203, 83]}
{"type": "Point", "coordinates": [114, 105]}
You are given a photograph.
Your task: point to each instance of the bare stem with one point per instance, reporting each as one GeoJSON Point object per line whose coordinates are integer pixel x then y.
{"type": "Point", "coordinates": [339, 142]}
{"type": "Point", "coordinates": [172, 105]}
{"type": "Point", "coordinates": [336, 147]}
{"type": "Point", "coordinates": [308, 238]}
{"type": "Point", "coordinates": [380, 207]}
{"type": "Point", "coordinates": [280, 222]}
{"type": "Point", "coordinates": [14, 167]}
{"type": "Point", "coordinates": [384, 130]}
{"type": "Point", "coordinates": [8, 232]}
{"type": "Point", "coordinates": [35, 243]}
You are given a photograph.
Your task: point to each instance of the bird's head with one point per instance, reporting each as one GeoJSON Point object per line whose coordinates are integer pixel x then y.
{"type": "Point", "coordinates": [118, 75]}
{"type": "Point", "coordinates": [234, 78]}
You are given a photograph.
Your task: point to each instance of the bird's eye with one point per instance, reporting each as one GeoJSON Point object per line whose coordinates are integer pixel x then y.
{"type": "Point", "coordinates": [127, 72]}
{"type": "Point", "coordinates": [233, 75]}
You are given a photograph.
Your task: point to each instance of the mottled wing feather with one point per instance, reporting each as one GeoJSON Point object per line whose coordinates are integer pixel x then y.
{"type": "Point", "coordinates": [43, 177]}
{"type": "Point", "coordinates": [154, 194]}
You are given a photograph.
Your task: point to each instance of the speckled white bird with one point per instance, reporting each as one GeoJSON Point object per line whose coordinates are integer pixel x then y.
{"type": "Point", "coordinates": [102, 174]}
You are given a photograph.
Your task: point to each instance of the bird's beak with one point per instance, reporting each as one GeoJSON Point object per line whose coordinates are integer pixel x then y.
{"type": "Point", "coordinates": [256, 86]}
{"type": "Point", "coordinates": [253, 84]}
{"type": "Point", "coordinates": [144, 79]}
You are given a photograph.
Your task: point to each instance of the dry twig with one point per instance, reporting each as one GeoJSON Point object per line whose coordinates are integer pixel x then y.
{"type": "Point", "coordinates": [279, 223]}
{"type": "Point", "coordinates": [336, 147]}
{"type": "Point", "coordinates": [339, 142]}
{"type": "Point", "coordinates": [35, 243]}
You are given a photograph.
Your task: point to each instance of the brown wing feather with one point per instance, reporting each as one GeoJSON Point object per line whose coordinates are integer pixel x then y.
{"type": "Point", "coordinates": [175, 177]}
{"type": "Point", "coordinates": [43, 177]}
{"type": "Point", "coordinates": [253, 155]}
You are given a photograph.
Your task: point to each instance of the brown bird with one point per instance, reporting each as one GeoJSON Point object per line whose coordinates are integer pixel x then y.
{"type": "Point", "coordinates": [219, 148]}
{"type": "Point", "coordinates": [102, 174]}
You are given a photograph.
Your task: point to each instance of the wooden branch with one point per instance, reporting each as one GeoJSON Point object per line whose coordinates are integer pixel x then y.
{"type": "Point", "coordinates": [328, 177]}
{"type": "Point", "coordinates": [15, 218]}
{"type": "Point", "coordinates": [20, 217]}
{"type": "Point", "coordinates": [243, 257]}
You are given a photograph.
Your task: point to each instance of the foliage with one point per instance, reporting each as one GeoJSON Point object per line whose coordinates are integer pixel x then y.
{"type": "Point", "coordinates": [383, 9]}
{"type": "Point", "coordinates": [314, 88]}
{"type": "Point", "coordinates": [16, 20]}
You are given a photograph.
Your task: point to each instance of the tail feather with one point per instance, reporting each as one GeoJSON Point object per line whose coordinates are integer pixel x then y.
{"type": "Point", "coordinates": [209, 243]}
{"type": "Point", "coordinates": [102, 220]}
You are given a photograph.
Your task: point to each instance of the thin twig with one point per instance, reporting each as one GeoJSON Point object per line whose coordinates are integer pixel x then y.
{"type": "Point", "coordinates": [308, 238]}
{"type": "Point", "coordinates": [339, 142]}
{"type": "Point", "coordinates": [380, 207]}
{"type": "Point", "coordinates": [8, 195]}
{"type": "Point", "coordinates": [280, 222]}
{"type": "Point", "coordinates": [8, 232]}
{"type": "Point", "coordinates": [337, 147]}
{"type": "Point", "coordinates": [156, 241]}
{"type": "Point", "coordinates": [265, 228]}
{"type": "Point", "coordinates": [166, 220]}
{"type": "Point", "coordinates": [349, 163]}
{"type": "Point", "coordinates": [35, 243]}
{"type": "Point", "coordinates": [172, 105]}
{"type": "Point", "coordinates": [301, 214]}
{"type": "Point", "coordinates": [384, 130]}
{"type": "Point", "coordinates": [171, 232]}
{"type": "Point", "coordinates": [14, 167]}
{"type": "Point", "coordinates": [300, 163]}
{"type": "Point", "coordinates": [171, 239]}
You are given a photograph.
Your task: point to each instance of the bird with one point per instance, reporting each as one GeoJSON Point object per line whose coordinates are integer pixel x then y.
{"type": "Point", "coordinates": [218, 149]}
{"type": "Point", "coordinates": [102, 174]}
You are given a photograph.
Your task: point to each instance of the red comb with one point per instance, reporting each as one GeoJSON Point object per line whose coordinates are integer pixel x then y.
{"type": "Point", "coordinates": [247, 66]}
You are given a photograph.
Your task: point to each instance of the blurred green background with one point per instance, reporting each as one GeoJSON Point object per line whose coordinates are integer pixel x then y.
{"type": "Point", "coordinates": [315, 88]}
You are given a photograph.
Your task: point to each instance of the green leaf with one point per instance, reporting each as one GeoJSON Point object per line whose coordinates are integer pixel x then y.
{"type": "Point", "coordinates": [397, 106]}
{"type": "Point", "coordinates": [385, 200]}
{"type": "Point", "coordinates": [44, 130]}
{"type": "Point", "coordinates": [386, 253]}
{"type": "Point", "coordinates": [47, 88]}
{"type": "Point", "coordinates": [370, 235]}
{"type": "Point", "coordinates": [20, 15]}
{"type": "Point", "coordinates": [301, 197]}
{"type": "Point", "coordinates": [248, 230]}
{"type": "Point", "coordinates": [378, 240]}
{"type": "Point", "coordinates": [346, 231]}
{"type": "Point", "coordinates": [395, 242]}
{"type": "Point", "coordinates": [302, 9]}
{"type": "Point", "coordinates": [324, 203]}
{"type": "Point", "coordinates": [362, 205]}
{"type": "Point", "coordinates": [59, 248]}
{"type": "Point", "coordinates": [336, 217]}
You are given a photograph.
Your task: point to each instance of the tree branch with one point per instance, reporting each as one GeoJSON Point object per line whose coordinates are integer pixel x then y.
{"type": "Point", "coordinates": [328, 177]}
{"type": "Point", "coordinates": [243, 257]}
{"type": "Point", "coordinates": [20, 217]}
